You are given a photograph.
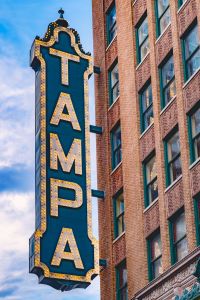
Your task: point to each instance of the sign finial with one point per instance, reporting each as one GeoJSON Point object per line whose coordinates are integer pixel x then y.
{"type": "Point", "coordinates": [61, 12]}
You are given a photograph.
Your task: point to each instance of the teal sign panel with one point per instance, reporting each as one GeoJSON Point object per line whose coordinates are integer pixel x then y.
{"type": "Point", "coordinates": [63, 251]}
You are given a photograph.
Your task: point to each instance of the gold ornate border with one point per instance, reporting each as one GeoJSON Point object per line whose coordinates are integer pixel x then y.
{"type": "Point", "coordinates": [39, 232]}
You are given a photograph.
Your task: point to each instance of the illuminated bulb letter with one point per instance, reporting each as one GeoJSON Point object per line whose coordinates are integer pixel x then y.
{"type": "Point", "coordinates": [73, 157]}
{"type": "Point", "coordinates": [65, 101]}
{"type": "Point", "coordinates": [65, 57]}
{"type": "Point", "coordinates": [56, 201]}
{"type": "Point", "coordinates": [67, 237]}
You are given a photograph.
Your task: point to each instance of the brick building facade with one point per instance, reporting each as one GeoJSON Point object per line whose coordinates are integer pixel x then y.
{"type": "Point", "coordinates": [148, 156]}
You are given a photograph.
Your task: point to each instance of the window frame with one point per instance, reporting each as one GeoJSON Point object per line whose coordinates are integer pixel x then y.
{"type": "Point", "coordinates": [197, 217]}
{"type": "Point", "coordinates": [192, 139]}
{"type": "Point", "coordinates": [111, 99]}
{"type": "Point", "coordinates": [185, 61]}
{"type": "Point", "coordinates": [151, 274]}
{"type": "Point", "coordinates": [116, 218]}
{"type": "Point", "coordinates": [113, 151]}
{"type": "Point", "coordinates": [138, 46]}
{"type": "Point", "coordinates": [146, 185]}
{"type": "Point", "coordinates": [142, 113]}
{"type": "Point", "coordinates": [108, 30]}
{"type": "Point", "coordinates": [162, 87]}
{"type": "Point", "coordinates": [158, 30]}
{"type": "Point", "coordinates": [173, 246]}
{"type": "Point", "coordinates": [118, 288]}
{"type": "Point", "coordinates": [167, 162]}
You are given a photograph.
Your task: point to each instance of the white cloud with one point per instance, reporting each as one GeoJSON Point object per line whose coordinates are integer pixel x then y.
{"type": "Point", "coordinates": [16, 114]}
{"type": "Point", "coordinates": [17, 223]}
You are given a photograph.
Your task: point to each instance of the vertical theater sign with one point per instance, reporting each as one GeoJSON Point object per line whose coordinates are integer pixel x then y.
{"type": "Point", "coordinates": [63, 251]}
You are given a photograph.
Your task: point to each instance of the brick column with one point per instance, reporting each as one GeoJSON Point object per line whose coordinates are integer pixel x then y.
{"type": "Point", "coordinates": [155, 81]}
{"type": "Point", "coordinates": [132, 169]}
{"type": "Point", "coordinates": [107, 278]}
{"type": "Point", "coordinates": [183, 128]}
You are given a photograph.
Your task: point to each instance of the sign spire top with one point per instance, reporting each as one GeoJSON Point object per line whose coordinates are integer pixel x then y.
{"type": "Point", "coordinates": [61, 12]}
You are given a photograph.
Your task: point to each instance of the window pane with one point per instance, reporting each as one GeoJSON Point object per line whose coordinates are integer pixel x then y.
{"type": "Point", "coordinates": [119, 205]}
{"type": "Point", "coordinates": [191, 42]}
{"type": "Point", "coordinates": [156, 249]}
{"type": "Point", "coordinates": [143, 31]}
{"type": "Point", "coordinates": [179, 228]}
{"type": "Point", "coordinates": [153, 191]}
{"type": "Point", "coordinates": [165, 20]}
{"type": "Point", "coordinates": [115, 92]}
{"type": "Point", "coordinates": [168, 71]}
{"type": "Point", "coordinates": [175, 169]}
{"type": "Point", "coordinates": [170, 92]}
{"type": "Point", "coordinates": [114, 76]}
{"type": "Point", "coordinates": [151, 169]}
{"type": "Point", "coordinates": [157, 268]}
{"type": "Point", "coordinates": [181, 249]}
{"type": "Point", "coordinates": [144, 49]}
{"type": "Point", "coordinates": [117, 138]}
{"type": "Point", "coordinates": [120, 225]}
{"type": "Point", "coordinates": [197, 147]}
{"type": "Point", "coordinates": [148, 117]}
{"type": "Point", "coordinates": [162, 6]}
{"type": "Point", "coordinates": [112, 17]}
{"type": "Point", "coordinates": [146, 98]}
{"type": "Point", "coordinates": [196, 123]}
{"type": "Point", "coordinates": [173, 146]}
{"type": "Point", "coordinates": [193, 64]}
{"type": "Point", "coordinates": [122, 276]}
{"type": "Point", "coordinates": [112, 27]}
{"type": "Point", "coordinates": [124, 294]}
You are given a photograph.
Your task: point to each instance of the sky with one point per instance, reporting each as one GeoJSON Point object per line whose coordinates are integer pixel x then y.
{"type": "Point", "coordinates": [20, 22]}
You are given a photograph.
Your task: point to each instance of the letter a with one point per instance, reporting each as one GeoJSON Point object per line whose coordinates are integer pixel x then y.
{"type": "Point", "coordinates": [65, 101]}
{"type": "Point", "coordinates": [67, 237]}
{"type": "Point", "coordinates": [66, 161]}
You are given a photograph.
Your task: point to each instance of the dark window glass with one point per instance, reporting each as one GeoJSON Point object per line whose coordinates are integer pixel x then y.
{"type": "Point", "coordinates": [116, 146]}
{"type": "Point", "coordinates": [163, 15]}
{"type": "Point", "coordinates": [111, 24]}
{"type": "Point", "coordinates": [174, 158]}
{"type": "Point", "coordinates": [146, 107]}
{"type": "Point", "coordinates": [195, 121]}
{"type": "Point", "coordinates": [143, 40]}
{"type": "Point", "coordinates": [119, 217]}
{"type": "Point", "coordinates": [122, 290]}
{"type": "Point", "coordinates": [168, 81]}
{"type": "Point", "coordinates": [151, 180]}
{"type": "Point", "coordinates": [181, 2]}
{"type": "Point", "coordinates": [192, 52]}
{"type": "Point", "coordinates": [179, 237]}
{"type": "Point", "coordinates": [114, 83]}
{"type": "Point", "coordinates": [156, 256]}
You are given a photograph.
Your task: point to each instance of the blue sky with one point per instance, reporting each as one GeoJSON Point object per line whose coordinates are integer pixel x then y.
{"type": "Point", "coordinates": [20, 22]}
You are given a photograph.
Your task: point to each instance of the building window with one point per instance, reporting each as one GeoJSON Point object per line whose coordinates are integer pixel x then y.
{"type": "Point", "coordinates": [194, 130]}
{"type": "Point", "coordinates": [173, 158]}
{"type": "Point", "coordinates": [116, 146]}
{"type": "Point", "coordinates": [142, 35]}
{"type": "Point", "coordinates": [163, 15]}
{"type": "Point", "coordinates": [114, 83]}
{"type": "Point", "coordinates": [119, 215]}
{"type": "Point", "coordinates": [191, 52]}
{"type": "Point", "coordinates": [197, 217]}
{"type": "Point", "coordinates": [155, 256]}
{"type": "Point", "coordinates": [178, 237]}
{"type": "Point", "coordinates": [121, 276]}
{"type": "Point", "coordinates": [146, 107]}
{"type": "Point", "coordinates": [168, 85]}
{"type": "Point", "coordinates": [111, 24]}
{"type": "Point", "coordinates": [151, 184]}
